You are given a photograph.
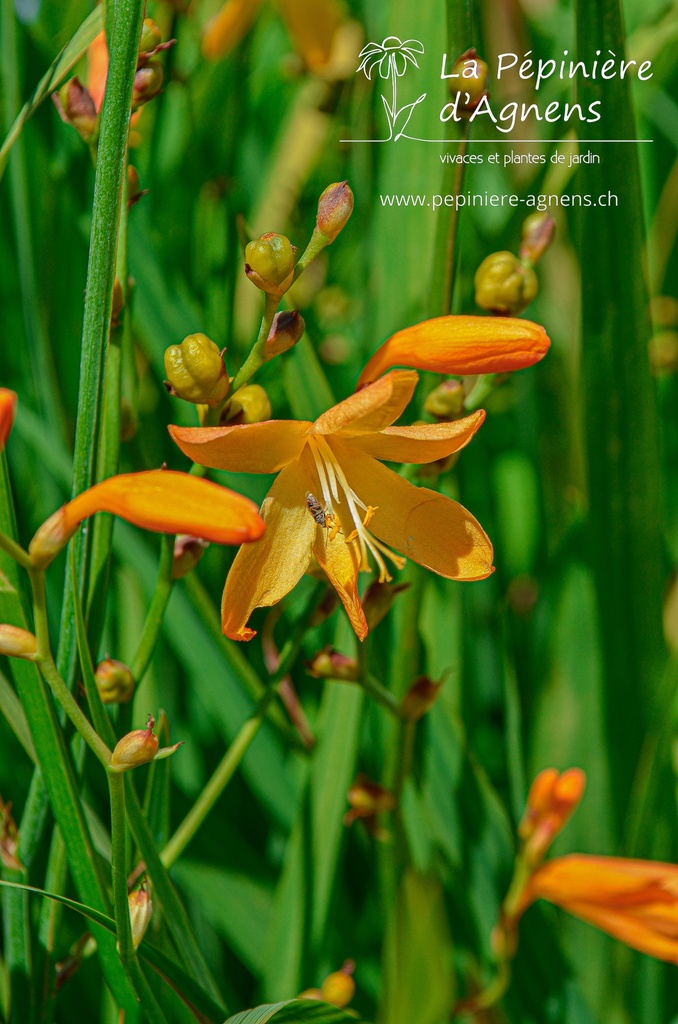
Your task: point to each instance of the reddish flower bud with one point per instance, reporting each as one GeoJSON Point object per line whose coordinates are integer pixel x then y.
{"type": "Point", "coordinates": [330, 664]}
{"type": "Point", "coordinates": [188, 551]}
{"type": "Point", "coordinates": [420, 698]}
{"type": "Point", "coordinates": [286, 330]}
{"type": "Point", "coordinates": [536, 236]}
{"type": "Point", "coordinates": [76, 107]}
{"type": "Point", "coordinates": [147, 83]}
{"type": "Point", "coordinates": [366, 799]}
{"type": "Point", "coordinates": [136, 748]}
{"type": "Point", "coordinates": [115, 682]}
{"type": "Point", "coordinates": [335, 206]}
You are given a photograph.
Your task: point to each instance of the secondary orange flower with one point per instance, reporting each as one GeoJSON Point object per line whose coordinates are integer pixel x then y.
{"type": "Point", "coordinates": [461, 345]}
{"type": "Point", "coordinates": [553, 798]}
{"type": "Point", "coordinates": [635, 901]}
{"type": "Point", "coordinates": [7, 410]}
{"type": "Point", "coordinates": [157, 500]}
{"type": "Point", "coordinates": [333, 499]}
{"type": "Point", "coordinates": [312, 24]}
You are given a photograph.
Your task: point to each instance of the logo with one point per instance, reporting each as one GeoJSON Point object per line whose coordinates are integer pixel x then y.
{"type": "Point", "coordinates": [390, 59]}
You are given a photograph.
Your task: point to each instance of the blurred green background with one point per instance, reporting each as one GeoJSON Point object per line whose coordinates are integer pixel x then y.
{"type": "Point", "coordinates": [557, 659]}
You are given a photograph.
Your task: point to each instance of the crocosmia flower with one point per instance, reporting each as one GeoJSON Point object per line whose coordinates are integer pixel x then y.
{"type": "Point", "coordinates": [333, 499]}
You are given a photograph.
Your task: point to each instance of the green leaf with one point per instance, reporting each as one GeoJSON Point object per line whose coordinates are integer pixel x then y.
{"type": "Point", "coordinates": [294, 1011]}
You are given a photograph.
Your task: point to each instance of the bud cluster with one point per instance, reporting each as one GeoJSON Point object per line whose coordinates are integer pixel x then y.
{"type": "Point", "coordinates": [505, 283]}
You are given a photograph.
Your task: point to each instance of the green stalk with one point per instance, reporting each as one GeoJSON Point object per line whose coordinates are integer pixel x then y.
{"type": "Point", "coordinates": [156, 611]}
{"type": "Point", "coordinates": [107, 202]}
{"type": "Point", "coordinates": [255, 358]}
{"type": "Point", "coordinates": [126, 949]}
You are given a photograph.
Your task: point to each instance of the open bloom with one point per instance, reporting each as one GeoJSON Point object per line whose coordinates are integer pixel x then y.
{"type": "Point", "coordinates": [333, 499]}
{"type": "Point", "coordinates": [157, 500]}
{"type": "Point", "coordinates": [635, 901]}
{"type": "Point", "coordinates": [461, 345]}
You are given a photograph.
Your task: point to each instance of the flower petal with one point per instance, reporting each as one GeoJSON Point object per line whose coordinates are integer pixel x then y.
{"type": "Point", "coordinates": [312, 24]}
{"type": "Point", "coordinates": [263, 573]}
{"type": "Point", "coordinates": [8, 400]}
{"type": "Point", "coordinates": [425, 443]}
{"type": "Point", "coordinates": [340, 562]}
{"type": "Point", "coordinates": [168, 502]}
{"type": "Point", "coordinates": [461, 345]}
{"type": "Point", "coordinates": [245, 448]}
{"type": "Point", "coordinates": [370, 409]}
{"type": "Point", "coordinates": [657, 937]}
{"type": "Point", "coordinates": [421, 524]}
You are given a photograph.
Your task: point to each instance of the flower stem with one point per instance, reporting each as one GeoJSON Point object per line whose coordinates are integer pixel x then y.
{"type": "Point", "coordinates": [374, 689]}
{"type": "Point", "coordinates": [240, 745]}
{"type": "Point", "coordinates": [156, 611]}
{"type": "Point", "coordinates": [128, 954]}
{"type": "Point", "coordinates": [256, 356]}
{"type": "Point", "coordinates": [15, 551]}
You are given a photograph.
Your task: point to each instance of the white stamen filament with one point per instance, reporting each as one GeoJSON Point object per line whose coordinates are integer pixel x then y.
{"type": "Point", "coordinates": [333, 480]}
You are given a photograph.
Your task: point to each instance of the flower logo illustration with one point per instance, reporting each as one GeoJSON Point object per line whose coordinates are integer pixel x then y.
{"type": "Point", "coordinates": [392, 57]}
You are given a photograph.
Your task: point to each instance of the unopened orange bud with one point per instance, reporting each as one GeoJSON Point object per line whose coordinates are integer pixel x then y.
{"type": "Point", "coordinates": [8, 400]}
{"type": "Point", "coordinates": [286, 330]}
{"type": "Point", "coordinates": [338, 988]}
{"type": "Point", "coordinates": [50, 538]}
{"type": "Point", "coordinates": [330, 664]}
{"type": "Point", "coordinates": [76, 107]}
{"type": "Point", "coordinates": [188, 551]}
{"type": "Point", "coordinates": [335, 206]}
{"type": "Point", "coordinates": [536, 236]}
{"type": "Point", "coordinates": [420, 698]}
{"type": "Point", "coordinates": [17, 643]}
{"type": "Point", "coordinates": [115, 682]}
{"type": "Point", "coordinates": [269, 263]}
{"type": "Point", "coordinates": [552, 800]}
{"type": "Point", "coordinates": [140, 913]}
{"type": "Point", "coordinates": [147, 82]}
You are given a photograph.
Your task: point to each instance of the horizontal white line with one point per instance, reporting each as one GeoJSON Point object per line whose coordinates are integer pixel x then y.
{"type": "Point", "coordinates": [450, 142]}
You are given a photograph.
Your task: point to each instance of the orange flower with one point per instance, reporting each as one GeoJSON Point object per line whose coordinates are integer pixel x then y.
{"type": "Point", "coordinates": [158, 500]}
{"type": "Point", "coordinates": [7, 409]}
{"type": "Point", "coordinates": [331, 487]}
{"type": "Point", "coordinates": [551, 802]}
{"type": "Point", "coordinates": [461, 345]}
{"type": "Point", "coordinates": [635, 901]}
{"type": "Point", "coordinates": [312, 25]}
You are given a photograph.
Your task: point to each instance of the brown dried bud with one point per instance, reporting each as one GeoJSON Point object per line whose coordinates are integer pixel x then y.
{"type": "Point", "coordinates": [335, 206]}
{"type": "Point", "coordinates": [378, 600]}
{"type": "Point", "coordinates": [76, 107]}
{"type": "Point", "coordinates": [330, 664]}
{"type": "Point", "coordinates": [420, 698]}
{"type": "Point", "coordinates": [187, 553]}
{"type": "Point", "coordinates": [115, 682]}
{"type": "Point", "coordinates": [286, 330]}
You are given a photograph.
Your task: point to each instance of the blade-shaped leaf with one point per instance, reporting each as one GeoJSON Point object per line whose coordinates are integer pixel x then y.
{"type": "Point", "coordinates": [294, 1011]}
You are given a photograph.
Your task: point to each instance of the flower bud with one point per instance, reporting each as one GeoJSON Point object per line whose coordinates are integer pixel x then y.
{"type": "Point", "coordinates": [286, 330]}
{"type": "Point", "coordinates": [9, 839]}
{"type": "Point", "coordinates": [378, 600]}
{"type": "Point", "coordinates": [134, 190]}
{"type": "Point", "coordinates": [420, 698]}
{"type": "Point", "coordinates": [338, 988]}
{"type": "Point", "coordinates": [330, 664]}
{"type": "Point", "coordinates": [196, 372]}
{"type": "Point", "coordinates": [118, 302]}
{"type": "Point", "coordinates": [664, 311]}
{"type": "Point", "coordinates": [366, 799]}
{"type": "Point", "coordinates": [150, 38]}
{"type": "Point", "coordinates": [50, 538]}
{"type": "Point", "coordinates": [470, 81]}
{"type": "Point", "coordinates": [115, 682]}
{"type": "Point", "coordinates": [188, 551]}
{"type": "Point", "coordinates": [140, 913]}
{"type": "Point", "coordinates": [17, 643]}
{"type": "Point", "coordinates": [536, 237]}
{"type": "Point", "coordinates": [663, 352]}
{"type": "Point", "coordinates": [76, 107]}
{"type": "Point", "coordinates": [504, 284]}
{"type": "Point", "coordinates": [250, 404]}
{"type": "Point", "coordinates": [552, 800]}
{"type": "Point", "coordinates": [8, 400]}
{"type": "Point", "coordinates": [446, 402]}
{"type": "Point", "coordinates": [269, 263]}
{"type": "Point", "coordinates": [135, 748]}
{"type": "Point", "coordinates": [147, 82]}
{"type": "Point", "coordinates": [335, 206]}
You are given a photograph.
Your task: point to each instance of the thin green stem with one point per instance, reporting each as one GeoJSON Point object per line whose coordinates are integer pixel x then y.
{"type": "Point", "coordinates": [126, 948]}
{"type": "Point", "coordinates": [54, 679]}
{"type": "Point", "coordinates": [374, 689]}
{"type": "Point", "coordinates": [256, 357]}
{"type": "Point", "coordinates": [15, 551]}
{"type": "Point", "coordinates": [488, 996]}
{"type": "Point", "coordinates": [156, 611]}
{"type": "Point", "coordinates": [241, 744]}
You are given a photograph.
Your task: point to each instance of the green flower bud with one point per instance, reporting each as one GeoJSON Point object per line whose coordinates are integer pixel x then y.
{"type": "Point", "coordinates": [536, 236]}
{"type": "Point", "coordinates": [115, 682]}
{"type": "Point", "coordinates": [250, 404]}
{"type": "Point", "coordinates": [269, 263]}
{"type": "Point", "coordinates": [504, 284]}
{"type": "Point", "coordinates": [335, 206]}
{"type": "Point", "coordinates": [150, 37]}
{"type": "Point", "coordinates": [446, 402]}
{"type": "Point", "coordinates": [76, 107]}
{"type": "Point", "coordinates": [147, 82]}
{"type": "Point", "coordinates": [196, 372]}
{"type": "Point", "coordinates": [286, 330]}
